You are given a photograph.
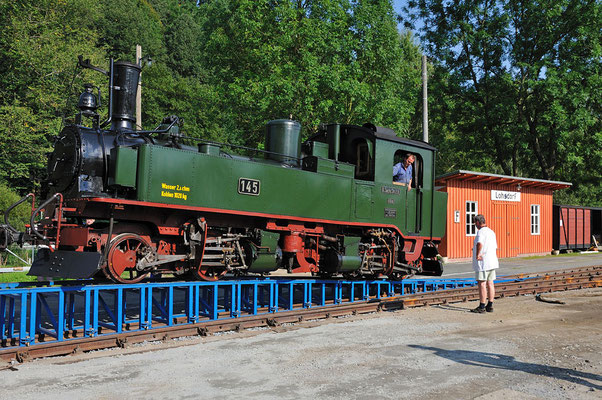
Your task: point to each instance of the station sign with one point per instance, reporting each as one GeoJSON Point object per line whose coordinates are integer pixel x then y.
{"type": "Point", "coordinates": [502, 195]}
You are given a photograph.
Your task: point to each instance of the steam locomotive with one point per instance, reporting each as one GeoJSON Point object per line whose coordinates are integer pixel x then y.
{"type": "Point", "coordinates": [128, 204]}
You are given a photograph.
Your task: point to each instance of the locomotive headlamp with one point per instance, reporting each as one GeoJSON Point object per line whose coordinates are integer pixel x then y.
{"type": "Point", "coordinates": [87, 102]}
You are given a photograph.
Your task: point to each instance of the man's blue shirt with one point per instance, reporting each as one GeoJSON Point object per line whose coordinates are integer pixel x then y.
{"type": "Point", "coordinates": [401, 174]}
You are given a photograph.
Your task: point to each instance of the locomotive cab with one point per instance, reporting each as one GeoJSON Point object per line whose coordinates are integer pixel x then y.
{"type": "Point", "coordinates": [373, 151]}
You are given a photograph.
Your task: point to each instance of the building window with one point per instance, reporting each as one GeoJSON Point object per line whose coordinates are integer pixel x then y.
{"type": "Point", "coordinates": [471, 212]}
{"type": "Point", "coordinates": [534, 219]}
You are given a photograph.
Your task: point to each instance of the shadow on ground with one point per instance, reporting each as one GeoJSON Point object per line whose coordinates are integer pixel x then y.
{"type": "Point", "coordinates": [500, 361]}
{"type": "Point", "coordinates": [451, 308]}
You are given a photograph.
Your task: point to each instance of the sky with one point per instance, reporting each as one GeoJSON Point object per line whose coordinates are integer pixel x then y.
{"type": "Point", "coordinates": [397, 5]}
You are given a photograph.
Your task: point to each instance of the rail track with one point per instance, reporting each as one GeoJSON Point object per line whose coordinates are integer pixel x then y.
{"type": "Point", "coordinates": [515, 285]}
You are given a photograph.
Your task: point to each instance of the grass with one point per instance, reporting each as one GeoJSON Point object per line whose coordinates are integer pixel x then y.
{"type": "Point", "coordinates": [16, 277]}
{"type": "Point", "coordinates": [9, 260]}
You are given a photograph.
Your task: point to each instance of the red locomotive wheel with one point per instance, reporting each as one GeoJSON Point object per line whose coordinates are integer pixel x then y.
{"type": "Point", "coordinates": [210, 274]}
{"type": "Point", "coordinates": [207, 270]}
{"type": "Point", "coordinates": [125, 251]}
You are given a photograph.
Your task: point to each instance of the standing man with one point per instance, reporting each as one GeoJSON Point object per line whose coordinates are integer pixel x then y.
{"type": "Point", "coordinates": [402, 171]}
{"type": "Point", "coordinates": [484, 262]}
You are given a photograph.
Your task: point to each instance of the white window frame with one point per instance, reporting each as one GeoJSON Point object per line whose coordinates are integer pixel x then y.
{"type": "Point", "coordinates": [470, 227]}
{"type": "Point", "coordinates": [535, 219]}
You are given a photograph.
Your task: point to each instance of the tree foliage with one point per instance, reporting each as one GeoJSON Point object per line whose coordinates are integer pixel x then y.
{"type": "Point", "coordinates": [519, 81]}
{"type": "Point", "coordinates": [39, 42]}
{"type": "Point", "coordinates": [123, 24]}
{"type": "Point", "coordinates": [319, 61]}
{"type": "Point", "coordinates": [19, 216]}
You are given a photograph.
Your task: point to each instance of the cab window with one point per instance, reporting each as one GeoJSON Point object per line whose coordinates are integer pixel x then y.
{"type": "Point", "coordinates": [400, 177]}
{"type": "Point", "coordinates": [357, 148]}
{"type": "Point", "coordinates": [363, 160]}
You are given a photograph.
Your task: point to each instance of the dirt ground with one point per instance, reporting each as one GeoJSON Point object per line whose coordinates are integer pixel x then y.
{"type": "Point", "coordinates": [525, 349]}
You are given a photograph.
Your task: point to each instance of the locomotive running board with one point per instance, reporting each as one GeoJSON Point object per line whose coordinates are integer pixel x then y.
{"type": "Point", "coordinates": [65, 264]}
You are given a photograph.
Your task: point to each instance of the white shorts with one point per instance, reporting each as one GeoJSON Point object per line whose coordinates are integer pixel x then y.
{"type": "Point", "coordinates": [485, 275]}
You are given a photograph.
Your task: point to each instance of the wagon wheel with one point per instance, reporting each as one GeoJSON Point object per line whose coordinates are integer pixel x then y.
{"type": "Point", "coordinates": [125, 251]}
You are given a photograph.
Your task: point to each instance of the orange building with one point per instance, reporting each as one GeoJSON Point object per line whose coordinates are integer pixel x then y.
{"type": "Point", "coordinates": [519, 210]}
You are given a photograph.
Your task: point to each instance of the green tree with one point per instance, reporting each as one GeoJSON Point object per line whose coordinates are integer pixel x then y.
{"type": "Point", "coordinates": [127, 23]}
{"type": "Point", "coordinates": [39, 44]}
{"type": "Point", "coordinates": [165, 92]}
{"type": "Point", "coordinates": [319, 61]}
{"type": "Point", "coordinates": [19, 216]}
{"type": "Point", "coordinates": [22, 147]}
{"type": "Point", "coordinates": [520, 82]}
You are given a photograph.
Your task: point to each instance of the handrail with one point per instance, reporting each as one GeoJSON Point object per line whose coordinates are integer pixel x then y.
{"type": "Point", "coordinates": [33, 215]}
{"type": "Point", "coordinates": [9, 209]}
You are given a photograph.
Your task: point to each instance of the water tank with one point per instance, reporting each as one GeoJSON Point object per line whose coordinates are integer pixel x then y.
{"type": "Point", "coordinates": [283, 141]}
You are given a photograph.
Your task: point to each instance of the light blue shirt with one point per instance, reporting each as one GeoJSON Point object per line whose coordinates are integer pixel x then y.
{"type": "Point", "coordinates": [401, 174]}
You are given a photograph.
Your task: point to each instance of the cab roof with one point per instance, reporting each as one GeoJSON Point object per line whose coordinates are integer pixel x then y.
{"type": "Point", "coordinates": [380, 132]}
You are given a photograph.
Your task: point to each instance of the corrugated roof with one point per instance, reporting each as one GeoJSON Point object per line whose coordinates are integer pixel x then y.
{"type": "Point", "coordinates": [484, 177]}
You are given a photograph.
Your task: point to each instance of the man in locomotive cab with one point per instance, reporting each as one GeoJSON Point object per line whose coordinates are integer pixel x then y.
{"type": "Point", "coordinates": [403, 171]}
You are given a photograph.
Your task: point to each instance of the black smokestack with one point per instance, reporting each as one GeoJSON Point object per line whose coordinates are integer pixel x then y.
{"type": "Point", "coordinates": [125, 86]}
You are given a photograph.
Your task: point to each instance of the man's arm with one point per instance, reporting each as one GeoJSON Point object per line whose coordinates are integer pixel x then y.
{"type": "Point", "coordinates": [479, 248]}
{"type": "Point", "coordinates": [396, 168]}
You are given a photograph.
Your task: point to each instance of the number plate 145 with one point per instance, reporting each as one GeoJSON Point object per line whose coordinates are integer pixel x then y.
{"type": "Point", "coordinates": [249, 186]}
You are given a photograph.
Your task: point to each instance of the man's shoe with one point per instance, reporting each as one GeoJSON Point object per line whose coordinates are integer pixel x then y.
{"type": "Point", "coordinates": [489, 308]}
{"type": "Point", "coordinates": [478, 310]}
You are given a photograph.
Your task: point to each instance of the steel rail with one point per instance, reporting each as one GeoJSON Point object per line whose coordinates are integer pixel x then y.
{"type": "Point", "coordinates": [572, 279]}
{"type": "Point", "coordinates": [512, 289]}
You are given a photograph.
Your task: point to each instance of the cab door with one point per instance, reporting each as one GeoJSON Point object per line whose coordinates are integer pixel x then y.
{"type": "Point", "coordinates": [410, 209]}
{"type": "Point", "coordinates": [413, 197]}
